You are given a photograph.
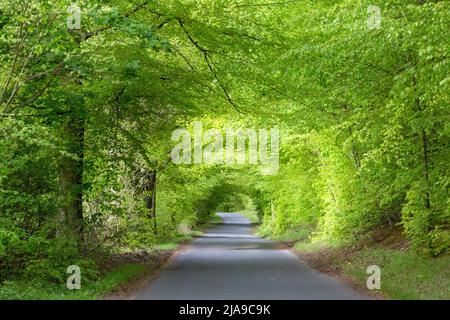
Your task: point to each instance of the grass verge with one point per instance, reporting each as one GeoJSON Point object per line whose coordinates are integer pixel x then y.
{"type": "Point", "coordinates": [39, 290]}
{"type": "Point", "coordinates": [249, 214]}
{"type": "Point", "coordinates": [405, 273]}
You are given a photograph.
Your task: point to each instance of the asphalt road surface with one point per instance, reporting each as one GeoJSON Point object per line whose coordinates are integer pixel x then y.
{"type": "Point", "coordinates": [228, 262]}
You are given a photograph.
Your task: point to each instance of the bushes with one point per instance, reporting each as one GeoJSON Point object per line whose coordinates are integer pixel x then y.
{"type": "Point", "coordinates": [28, 198]}
{"type": "Point", "coordinates": [429, 228]}
{"type": "Point", "coordinates": [42, 259]}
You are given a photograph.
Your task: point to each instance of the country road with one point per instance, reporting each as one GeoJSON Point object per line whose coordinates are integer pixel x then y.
{"type": "Point", "coordinates": [228, 262]}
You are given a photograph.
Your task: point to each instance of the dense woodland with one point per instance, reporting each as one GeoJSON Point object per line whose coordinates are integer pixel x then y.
{"type": "Point", "coordinates": [86, 117]}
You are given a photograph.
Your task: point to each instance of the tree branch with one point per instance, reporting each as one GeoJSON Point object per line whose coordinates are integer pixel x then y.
{"type": "Point", "coordinates": [207, 58]}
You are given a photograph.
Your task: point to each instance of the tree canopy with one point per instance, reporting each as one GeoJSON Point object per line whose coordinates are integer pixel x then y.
{"type": "Point", "coordinates": [87, 113]}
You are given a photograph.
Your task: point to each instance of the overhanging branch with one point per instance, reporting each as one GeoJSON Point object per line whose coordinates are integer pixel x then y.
{"type": "Point", "coordinates": [208, 61]}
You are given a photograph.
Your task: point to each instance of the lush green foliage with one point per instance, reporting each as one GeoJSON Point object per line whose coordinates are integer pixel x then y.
{"type": "Point", "coordinates": [368, 145]}
{"type": "Point", "coordinates": [86, 118]}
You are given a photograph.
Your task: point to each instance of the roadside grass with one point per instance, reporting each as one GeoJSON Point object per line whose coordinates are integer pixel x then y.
{"type": "Point", "coordinates": [311, 247]}
{"type": "Point", "coordinates": [404, 274]}
{"type": "Point", "coordinates": [40, 290]}
{"type": "Point", "coordinates": [249, 214]}
{"type": "Point", "coordinates": [173, 242]}
{"type": "Point", "coordinates": [213, 221]}
{"type": "Point", "coordinates": [291, 236]}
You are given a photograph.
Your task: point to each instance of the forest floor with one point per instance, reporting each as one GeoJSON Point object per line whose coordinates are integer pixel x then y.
{"type": "Point", "coordinates": [405, 273]}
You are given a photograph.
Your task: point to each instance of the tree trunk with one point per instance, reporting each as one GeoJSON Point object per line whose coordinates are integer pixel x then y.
{"type": "Point", "coordinates": [355, 151]}
{"type": "Point", "coordinates": [150, 197]}
{"type": "Point", "coordinates": [425, 149]}
{"type": "Point", "coordinates": [426, 169]}
{"type": "Point", "coordinates": [154, 205]}
{"type": "Point", "coordinates": [71, 178]}
{"type": "Point", "coordinates": [425, 158]}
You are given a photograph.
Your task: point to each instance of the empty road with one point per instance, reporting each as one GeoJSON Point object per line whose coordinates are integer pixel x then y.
{"type": "Point", "coordinates": [228, 262]}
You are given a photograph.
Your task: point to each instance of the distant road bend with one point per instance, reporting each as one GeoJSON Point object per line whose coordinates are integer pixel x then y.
{"type": "Point", "coordinates": [228, 262]}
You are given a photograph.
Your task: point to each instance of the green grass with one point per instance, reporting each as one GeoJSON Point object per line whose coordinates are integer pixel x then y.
{"type": "Point", "coordinates": [201, 228]}
{"type": "Point", "coordinates": [404, 274]}
{"type": "Point", "coordinates": [215, 219]}
{"type": "Point", "coordinates": [39, 290]}
{"type": "Point", "coordinates": [172, 243]}
{"type": "Point", "coordinates": [250, 214]}
{"type": "Point", "coordinates": [293, 235]}
{"type": "Point", "coordinates": [305, 244]}
{"type": "Point", "coordinates": [169, 245]}
{"type": "Point", "coordinates": [310, 247]}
